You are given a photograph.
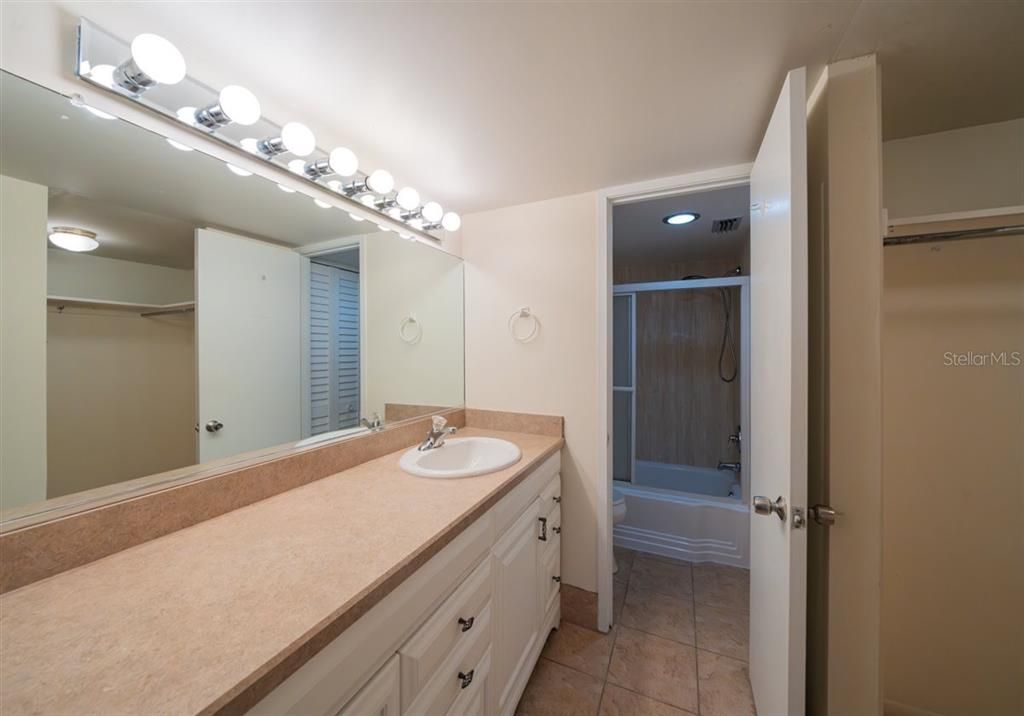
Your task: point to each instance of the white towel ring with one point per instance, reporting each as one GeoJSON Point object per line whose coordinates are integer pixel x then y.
{"type": "Point", "coordinates": [413, 336]}
{"type": "Point", "coordinates": [523, 314]}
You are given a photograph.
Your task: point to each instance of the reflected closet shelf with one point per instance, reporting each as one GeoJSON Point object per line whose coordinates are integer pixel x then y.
{"type": "Point", "coordinates": [143, 309]}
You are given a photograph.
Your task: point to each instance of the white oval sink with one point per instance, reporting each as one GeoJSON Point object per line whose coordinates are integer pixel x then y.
{"type": "Point", "coordinates": [461, 457]}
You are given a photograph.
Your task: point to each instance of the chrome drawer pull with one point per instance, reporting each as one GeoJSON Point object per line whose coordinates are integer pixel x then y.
{"type": "Point", "coordinates": [543, 529]}
{"type": "Point", "coordinates": [557, 530]}
{"type": "Point", "coordinates": [466, 624]}
{"type": "Point", "coordinates": [557, 498]}
{"type": "Point", "coordinates": [466, 679]}
{"type": "Point", "coordinates": [557, 579]}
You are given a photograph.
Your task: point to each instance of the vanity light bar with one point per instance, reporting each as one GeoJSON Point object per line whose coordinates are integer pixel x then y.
{"type": "Point", "coordinates": [153, 61]}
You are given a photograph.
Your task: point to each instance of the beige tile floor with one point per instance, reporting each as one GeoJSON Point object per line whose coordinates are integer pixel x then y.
{"type": "Point", "coordinates": [678, 647]}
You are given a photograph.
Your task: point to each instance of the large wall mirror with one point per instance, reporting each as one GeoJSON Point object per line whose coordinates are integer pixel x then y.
{"type": "Point", "coordinates": [217, 314]}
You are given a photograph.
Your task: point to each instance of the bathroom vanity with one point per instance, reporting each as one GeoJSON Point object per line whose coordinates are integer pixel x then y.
{"type": "Point", "coordinates": [371, 591]}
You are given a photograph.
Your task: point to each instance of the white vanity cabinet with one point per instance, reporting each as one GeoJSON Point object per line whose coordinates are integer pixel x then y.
{"type": "Point", "coordinates": [461, 635]}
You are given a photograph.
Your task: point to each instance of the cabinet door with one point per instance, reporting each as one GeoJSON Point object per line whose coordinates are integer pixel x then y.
{"type": "Point", "coordinates": [381, 696]}
{"type": "Point", "coordinates": [518, 606]}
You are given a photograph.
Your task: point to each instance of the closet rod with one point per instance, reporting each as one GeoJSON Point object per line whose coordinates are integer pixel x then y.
{"type": "Point", "coordinates": [954, 235]}
{"type": "Point", "coordinates": [168, 311]}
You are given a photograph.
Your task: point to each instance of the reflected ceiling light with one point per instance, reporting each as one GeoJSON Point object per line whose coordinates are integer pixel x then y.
{"type": "Point", "coordinates": [680, 218]}
{"type": "Point", "coordinates": [451, 221]}
{"type": "Point", "coordinates": [234, 104]}
{"type": "Point", "coordinates": [296, 166]}
{"type": "Point", "coordinates": [238, 170]}
{"type": "Point", "coordinates": [154, 60]}
{"type": "Point", "coordinates": [321, 203]}
{"type": "Point", "coordinates": [407, 198]}
{"type": "Point", "coordinates": [356, 217]}
{"type": "Point", "coordinates": [249, 145]}
{"type": "Point", "coordinates": [186, 115]}
{"type": "Point", "coordinates": [70, 238]}
{"type": "Point", "coordinates": [103, 74]}
{"type": "Point", "coordinates": [341, 161]}
{"type": "Point", "coordinates": [432, 212]}
{"type": "Point", "coordinates": [77, 101]}
{"type": "Point", "coordinates": [334, 185]}
{"type": "Point", "coordinates": [368, 200]}
{"type": "Point", "coordinates": [394, 212]}
{"type": "Point", "coordinates": [286, 189]}
{"type": "Point", "coordinates": [179, 146]}
{"type": "Point", "coordinates": [295, 137]}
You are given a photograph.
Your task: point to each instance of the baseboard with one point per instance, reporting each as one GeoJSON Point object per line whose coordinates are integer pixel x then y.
{"type": "Point", "coordinates": [691, 550]}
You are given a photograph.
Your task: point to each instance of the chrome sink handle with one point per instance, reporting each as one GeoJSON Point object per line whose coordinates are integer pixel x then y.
{"type": "Point", "coordinates": [437, 434]}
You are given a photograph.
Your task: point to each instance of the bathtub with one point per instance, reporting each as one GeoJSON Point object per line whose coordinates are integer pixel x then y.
{"type": "Point", "coordinates": [685, 525]}
{"type": "Point", "coordinates": [688, 478]}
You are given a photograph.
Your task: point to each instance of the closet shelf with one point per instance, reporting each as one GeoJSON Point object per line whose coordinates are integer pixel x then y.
{"type": "Point", "coordinates": [143, 309]}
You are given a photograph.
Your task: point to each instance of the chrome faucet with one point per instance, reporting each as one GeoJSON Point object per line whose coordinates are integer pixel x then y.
{"type": "Point", "coordinates": [437, 435]}
{"type": "Point", "coordinates": [730, 466]}
{"type": "Point", "coordinates": [374, 423]}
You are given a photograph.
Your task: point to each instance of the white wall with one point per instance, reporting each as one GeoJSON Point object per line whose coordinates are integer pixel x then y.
{"type": "Point", "coordinates": [22, 342]}
{"type": "Point", "coordinates": [961, 170]}
{"type": "Point", "coordinates": [72, 275]}
{"type": "Point", "coordinates": [542, 255]}
{"type": "Point", "coordinates": [399, 278]}
{"type": "Point", "coordinates": [953, 583]}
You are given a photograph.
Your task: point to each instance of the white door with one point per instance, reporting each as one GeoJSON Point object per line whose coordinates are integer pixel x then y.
{"type": "Point", "coordinates": [778, 404]}
{"type": "Point", "coordinates": [248, 354]}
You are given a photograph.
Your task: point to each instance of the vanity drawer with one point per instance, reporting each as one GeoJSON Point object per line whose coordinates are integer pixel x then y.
{"type": "Point", "coordinates": [457, 674]}
{"type": "Point", "coordinates": [472, 699]}
{"type": "Point", "coordinates": [457, 620]}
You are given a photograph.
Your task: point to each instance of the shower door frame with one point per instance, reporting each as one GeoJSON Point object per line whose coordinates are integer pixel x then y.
{"type": "Point", "coordinates": [743, 282]}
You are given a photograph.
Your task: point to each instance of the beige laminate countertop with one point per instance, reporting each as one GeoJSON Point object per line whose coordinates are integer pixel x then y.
{"type": "Point", "coordinates": [190, 622]}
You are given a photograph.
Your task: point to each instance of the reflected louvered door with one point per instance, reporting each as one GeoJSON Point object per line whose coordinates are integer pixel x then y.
{"type": "Point", "coordinates": [334, 348]}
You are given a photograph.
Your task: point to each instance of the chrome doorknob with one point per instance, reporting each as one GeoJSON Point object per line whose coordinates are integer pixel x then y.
{"type": "Point", "coordinates": [213, 426]}
{"type": "Point", "coordinates": [765, 506]}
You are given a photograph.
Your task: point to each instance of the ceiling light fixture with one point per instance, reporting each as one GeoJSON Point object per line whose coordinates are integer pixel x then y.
{"type": "Point", "coordinates": [154, 60]}
{"type": "Point", "coordinates": [680, 218]}
{"type": "Point", "coordinates": [234, 104]}
{"type": "Point", "coordinates": [70, 238]}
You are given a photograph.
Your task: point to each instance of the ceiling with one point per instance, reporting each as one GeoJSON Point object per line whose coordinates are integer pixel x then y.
{"type": "Point", "coordinates": [142, 197]}
{"type": "Point", "coordinates": [483, 105]}
{"type": "Point", "coordinates": [640, 236]}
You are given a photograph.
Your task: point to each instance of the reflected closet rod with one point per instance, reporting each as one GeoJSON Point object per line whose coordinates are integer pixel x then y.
{"type": "Point", "coordinates": [168, 311]}
{"type": "Point", "coordinates": [954, 235]}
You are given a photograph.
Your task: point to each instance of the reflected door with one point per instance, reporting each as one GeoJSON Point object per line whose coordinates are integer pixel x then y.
{"type": "Point", "coordinates": [248, 352]}
{"type": "Point", "coordinates": [623, 386]}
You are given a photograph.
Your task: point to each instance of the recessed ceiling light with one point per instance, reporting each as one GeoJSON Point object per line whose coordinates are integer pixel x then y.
{"type": "Point", "coordinates": [71, 239]}
{"type": "Point", "coordinates": [680, 218]}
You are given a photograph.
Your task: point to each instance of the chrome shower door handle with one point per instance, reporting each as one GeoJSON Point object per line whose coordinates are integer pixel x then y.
{"type": "Point", "coordinates": [765, 506]}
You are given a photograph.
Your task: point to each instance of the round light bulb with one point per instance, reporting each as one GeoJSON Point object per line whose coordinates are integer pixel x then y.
{"type": "Point", "coordinates": [297, 166]}
{"type": "Point", "coordinates": [158, 58]}
{"type": "Point", "coordinates": [102, 74]}
{"type": "Point", "coordinates": [394, 212]}
{"type": "Point", "coordinates": [240, 105]}
{"type": "Point", "coordinates": [321, 203]}
{"type": "Point", "coordinates": [343, 161]}
{"type": "Point", "coordinates": [239, 171]}
{"type": "Point", "coordinates": [71, 239]}
{"type": "Point", "coordinates": [451, 221]}
{"type": "Point", "coordinates": [250, 144]}
{"type": "Point", "coordinates": [298, 139]}
{"type": "Point", "coordinates": [334, 185]}
{"type": "Point", "coordinates": [432, 212]}
{"type": "Point", "coordinates": [368, 200]}
{"type": "Point", "coordinates": [381, 182]}
{"type": "Point", "coordinates": [408, 198]}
